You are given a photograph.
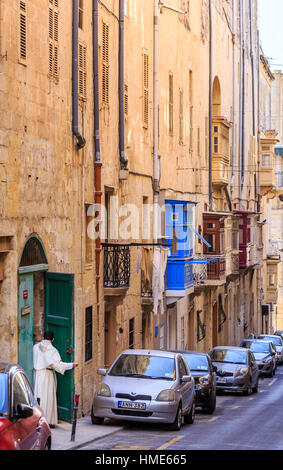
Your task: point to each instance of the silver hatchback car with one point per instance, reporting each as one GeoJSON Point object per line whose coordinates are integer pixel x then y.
{"type": "Point", "coordinates": [147, 386]}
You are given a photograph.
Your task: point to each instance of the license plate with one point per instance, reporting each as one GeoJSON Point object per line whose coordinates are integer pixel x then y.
{"type": "Point", "coordinates": [131, 405]}
{"type": "Point", "coordinates": [221, 380]}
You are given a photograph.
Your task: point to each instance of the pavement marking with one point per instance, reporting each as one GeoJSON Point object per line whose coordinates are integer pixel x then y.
{"type": "Point", "coordinates": [251, 398]}
{"type": "Point", "coordinates": [213, 419]}
{"type": "Point", "coordinates": [272, 382]}
{"type": "Point", "coordinates": [130, 447]}
{"type": "Point", "coordinates": [167, 444]}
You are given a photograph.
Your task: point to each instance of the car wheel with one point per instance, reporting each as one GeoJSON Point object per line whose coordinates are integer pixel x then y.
{"type": "Point", "coordinates": [176, 426]}
{"type": "Point", "coordinates": [190, 417]}
{"type": "Point", "coordinates": [249, 390]}
{"type": "Point", "coordinates": [96, 419]}
{"type": "Point", "coordinates": [255, 388]}
{"type": "Point", "coordinates": [212, 405]}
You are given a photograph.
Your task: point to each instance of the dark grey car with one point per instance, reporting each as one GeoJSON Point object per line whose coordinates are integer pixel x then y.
{"type": "Point", "coordinates": [204, 374]}
{"type": "Point", "coordinates": [278, 343]}
{"type": "Point", "coordinates": [264, 354]}
{"type": "Point", "coordinates": [237, 370]}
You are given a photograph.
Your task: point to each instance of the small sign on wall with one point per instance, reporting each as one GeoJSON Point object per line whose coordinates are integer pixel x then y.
{"type": "Point", "coordinates": [26, 310]}
{"type": "Point", "coordinates": [25, 294]}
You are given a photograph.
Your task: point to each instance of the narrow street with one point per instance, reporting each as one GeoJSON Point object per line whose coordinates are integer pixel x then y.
{"type": "Point", "coordinates": [238, 423]}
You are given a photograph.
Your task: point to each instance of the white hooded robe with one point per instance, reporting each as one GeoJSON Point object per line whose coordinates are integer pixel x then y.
{"type": "Point", "coordinates": [47, 360]}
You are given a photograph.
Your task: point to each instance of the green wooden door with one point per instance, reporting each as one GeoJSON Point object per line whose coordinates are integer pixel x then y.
{"type": "Point", "coordinates": [59, 319]}
{"type": "Point", "coordinates": [25, 324]}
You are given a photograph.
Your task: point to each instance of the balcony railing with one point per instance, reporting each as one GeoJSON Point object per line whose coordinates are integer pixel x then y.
{"type": "Point", "coordinates": [216, 270]}
{"type": "Point", "coordinates": [117, 262]}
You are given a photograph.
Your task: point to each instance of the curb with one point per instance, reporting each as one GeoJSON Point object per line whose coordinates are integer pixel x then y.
{"type": "Point", "coordinates": [85, 443]}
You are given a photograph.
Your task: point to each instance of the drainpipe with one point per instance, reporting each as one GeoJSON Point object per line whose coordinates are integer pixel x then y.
{"type": "Point", "coordinates": [259, 121]}
{"type": "Point", "coordinates": [156, 174]}
{"type": "Point", "coordinates": [252, 62]}
{"type": "Point", "coordinates": [240, 106]}
{"type": "Point", "coordinates": [234, 96]}
{"type": "Point", "coordinates": [210, 105]}
{"type": "Point", "coordinates": [75, 87]}
{"type": "Point", "coordinates": [243, 93]}
{"type": "Point", "coordinates": [123, 158]}
{"type": "Point", "coordinates": [97, 161]}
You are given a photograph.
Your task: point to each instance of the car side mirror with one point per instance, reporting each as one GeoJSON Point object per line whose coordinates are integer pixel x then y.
{"type": "Point", "coordinates": [186, 378]}
{"type": "Point", "coordinates": [24, 411]}
{"type": "Point", "coordinates": [102, 372]}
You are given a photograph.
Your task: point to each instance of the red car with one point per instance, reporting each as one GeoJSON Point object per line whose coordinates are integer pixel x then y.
{"type": "Point", "coordinates": [22, 423]}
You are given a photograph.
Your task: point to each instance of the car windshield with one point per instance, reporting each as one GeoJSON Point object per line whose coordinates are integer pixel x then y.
{"type": "Point", "coordinates": [276, 341]}
{"type": "Point", "coordinates": [3, 393]}
{"type": "Point", "coordinates": [229, 355]}
{"type": "Point", "coordinates": [144, 366]}
{"type": "Point", "coordinates": [256, 347]}
{"type": "Point", "coordinates": [197, 362]}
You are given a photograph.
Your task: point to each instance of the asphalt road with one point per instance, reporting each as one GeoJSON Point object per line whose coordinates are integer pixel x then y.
{"type": "Point", "coordinates": [239, 423]}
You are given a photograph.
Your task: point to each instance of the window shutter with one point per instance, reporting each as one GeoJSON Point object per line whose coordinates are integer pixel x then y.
{"type": "Point", "coordinates": [171, 104]}
{"type": "Point", "coordinates": [105, 64]}
{"type": "Point", "coordinates": [81, 14]}
{"type": "Point", "coordinates": [53, 65]}
{"type": "Point", "coordinates": [23, 31]}
{"type": "Point", "coordinates": [145, 90]}
{"type": "Point", "coordinates": [126, 99]}
{"type": "Point", "coordinates": [82, 71]}
{"type": "Point", "coordinates": [181, 116]}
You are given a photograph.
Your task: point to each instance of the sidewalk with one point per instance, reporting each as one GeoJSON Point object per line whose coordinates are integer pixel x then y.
{"type": "Point", "coordinates": [86, 432]}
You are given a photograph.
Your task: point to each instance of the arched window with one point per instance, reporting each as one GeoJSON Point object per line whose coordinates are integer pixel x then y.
{"type": "Point", "coordinates": [33, 253]}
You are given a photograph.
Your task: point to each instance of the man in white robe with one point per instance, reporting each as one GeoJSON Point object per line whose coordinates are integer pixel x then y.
{"type": "Point", "coordinates": [47, 361]}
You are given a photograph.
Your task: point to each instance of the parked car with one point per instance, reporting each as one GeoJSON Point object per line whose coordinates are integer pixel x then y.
{"type": "Point", "coordinates": [148, 386]}
{"type": "Point", "coordinates": [278, 343]}
{"type": "Point", "coordinates": [22, 423]}
{"type": "Point", "coordinates": [279, 333]}
{"type": "Point", "coordinates": [264, 354]}
{"type": "Point", "coordinates": [237, 370]}
{"type": "Point", "coordinates": [203, 372]}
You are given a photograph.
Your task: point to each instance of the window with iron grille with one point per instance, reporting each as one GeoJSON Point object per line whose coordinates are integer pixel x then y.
{"type": "Point", "coordinates": [53, 38]}
{"type": "Point", "coordinates": [131, 333]}
{"type": "Point", "coordinates": [171, 104]}
{"type": "Point", "coordinates": [82, 70]}
{"type": "Point", "coordinates": [145, 101]}
{"type": "Point", "coordinates": [88, 334]}
{"type": "Point", "coordinates": [23, 32]}
{"type": "Point", "coordinates": [105, 64]}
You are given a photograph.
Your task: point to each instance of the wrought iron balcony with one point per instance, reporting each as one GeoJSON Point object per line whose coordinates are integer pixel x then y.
{"type": "Point", "coordinates": [117, 262]}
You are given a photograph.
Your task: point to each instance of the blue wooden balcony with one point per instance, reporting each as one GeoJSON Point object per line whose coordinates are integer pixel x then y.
{"type": "Point", "coordinates": [179, 277]}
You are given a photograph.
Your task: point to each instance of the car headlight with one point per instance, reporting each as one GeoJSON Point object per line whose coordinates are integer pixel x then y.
{"type": "Point", "coordinates": [242, 372]}
{"type": "Point", "coordinates": [166, 395]}
{"type": "Point", "coordinates": [205, 379]}
{"type": "Point", "coordinates": [103, 391]}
